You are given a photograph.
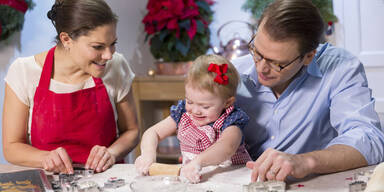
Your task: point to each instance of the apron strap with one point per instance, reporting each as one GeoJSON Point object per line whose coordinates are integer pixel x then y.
{"type": "Point", "coordinates": [220, 121]}
{"type": "Point", "coordinates": [47, 69]}
{"type": "Point", "coordinates": [97, 81]}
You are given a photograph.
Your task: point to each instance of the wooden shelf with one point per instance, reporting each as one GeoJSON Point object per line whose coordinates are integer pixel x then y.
{"type": "Point", "coordinates": [157, 91]}
{"type": "Point", "coordinates": [158, 88]}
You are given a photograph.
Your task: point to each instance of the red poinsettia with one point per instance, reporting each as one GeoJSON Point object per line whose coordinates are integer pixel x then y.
{"type": "Point", "coordinates": [168, 13]}
{"type": "Point", "coordinates": [178, 29]}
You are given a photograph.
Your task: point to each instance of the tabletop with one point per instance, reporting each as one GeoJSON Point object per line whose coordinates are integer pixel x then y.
{"type": "Point", "coordinates": [227, 179]}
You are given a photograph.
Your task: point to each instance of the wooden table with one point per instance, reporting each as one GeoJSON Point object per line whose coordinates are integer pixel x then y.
{"type": "Point", "coordinates": [229, 179]}
{"type": "Point", "coordinates": [151, 90]}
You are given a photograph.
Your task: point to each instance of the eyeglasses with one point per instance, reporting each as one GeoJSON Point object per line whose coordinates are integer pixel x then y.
{"type": "Point", "coordinates": [257, 57]}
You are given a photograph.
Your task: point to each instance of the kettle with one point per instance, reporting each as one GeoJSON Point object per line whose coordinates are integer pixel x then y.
{"type": "Point", "coordinates": [237, 45]}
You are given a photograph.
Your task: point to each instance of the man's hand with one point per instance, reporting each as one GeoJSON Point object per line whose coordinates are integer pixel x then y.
{"type": "Point", "coordinates": [58, 161]}
{"type": "Point", "coordinates": [143, 162]}
{"type": "Point", "coordinates": [276, 165]}
{"type": "Point", "coordinates": [100, 159]}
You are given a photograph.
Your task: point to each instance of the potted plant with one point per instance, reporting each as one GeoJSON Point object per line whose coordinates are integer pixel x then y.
{"type": "Point", "coordinates": [177, 31]}
{"type": "Point", "coordinates": [12, 16]}
{"type": "Point", "coordinates": [256, 8]}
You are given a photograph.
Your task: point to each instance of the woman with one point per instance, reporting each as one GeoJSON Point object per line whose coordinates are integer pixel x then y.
{"type": "Point", "coordinates": [71, 104]}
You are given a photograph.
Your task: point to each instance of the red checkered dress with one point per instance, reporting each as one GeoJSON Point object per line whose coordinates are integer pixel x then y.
{"type": "Point", "coordinates": [195, 139]}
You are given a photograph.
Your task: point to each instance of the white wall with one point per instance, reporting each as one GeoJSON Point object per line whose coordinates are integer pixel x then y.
{"type": "Point", "coordinates": [38, 35]}
{"type": "Point", "coordinates": [359, 30]}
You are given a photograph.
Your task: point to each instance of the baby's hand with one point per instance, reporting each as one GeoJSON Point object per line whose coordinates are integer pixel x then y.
{"type": "Point", "coordinates": [142, 164]}
{"type": "Point", "coordinates": [191, 171]}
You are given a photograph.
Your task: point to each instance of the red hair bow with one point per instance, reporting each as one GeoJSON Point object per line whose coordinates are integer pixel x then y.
{"type": "Point", "coordinates": [220, 70]}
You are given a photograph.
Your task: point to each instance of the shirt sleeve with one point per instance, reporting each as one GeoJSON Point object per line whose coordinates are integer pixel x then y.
{"type": "Point", "coordinates": [16, 80]}
{"type": "Point", "coordinates": [352, 112]}
{"type": "Point", "coordinates": [178, 110]}
{"type": "Point", "coordinates": [127, 79]}
{"type": "Point", "coordinates": [238, 117]}
{"type": "Point", "coordinates": [119, 77]}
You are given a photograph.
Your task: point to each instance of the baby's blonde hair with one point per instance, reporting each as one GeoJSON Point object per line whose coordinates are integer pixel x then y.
{"type": "Point", "coordinates": [199, 77]}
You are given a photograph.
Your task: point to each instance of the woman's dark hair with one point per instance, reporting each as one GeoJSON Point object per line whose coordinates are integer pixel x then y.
{"type": "Point", "coordinates": [78, 17]}
{"type": "Point", "coordinates": [294, 19]}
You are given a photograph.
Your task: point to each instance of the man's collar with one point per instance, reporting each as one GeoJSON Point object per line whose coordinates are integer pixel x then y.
{"type": "Point", "coordinates": [253, 74]}
{"type": "Point", "coordinates": [313, 68]}
{"type": "Point", "coordinates": [253, 77]}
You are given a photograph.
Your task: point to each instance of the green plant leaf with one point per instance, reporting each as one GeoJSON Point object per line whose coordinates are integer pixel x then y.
{"type": "Point", "coordinates": [183, 49]}
{"type": "Point", "coordinates": [163, 34]}
{"type": "Point", "coordinates": [200, 27]}
{"type": "Point", "coordinates": [156, 42]}
{"type": "Point", "coordinates": [171, 43]}
{"type": "Point", "coordinates": [186, 24]}
{"type": "Point", "coordinates": [256, 8]}
{"type": "Point", "coordinates": [146, 37]}
{"type": "Point", "coordinates": [204, 5]}
{"type": "Point", "coordinates": [12, 20]}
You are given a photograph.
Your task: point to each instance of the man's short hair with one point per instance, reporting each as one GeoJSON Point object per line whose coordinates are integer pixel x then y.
{"type": "Point", "coordinates": [294, 19]}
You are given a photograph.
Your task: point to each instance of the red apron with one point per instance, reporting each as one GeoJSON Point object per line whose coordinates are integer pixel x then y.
{"type": "Point", "coordinates": [76, 121]}
{"type": "Point", "coordinates": [195, 140]}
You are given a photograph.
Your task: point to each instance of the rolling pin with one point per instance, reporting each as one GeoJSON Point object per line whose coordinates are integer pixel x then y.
{"type": "Point", "coordinates": [164, 169]}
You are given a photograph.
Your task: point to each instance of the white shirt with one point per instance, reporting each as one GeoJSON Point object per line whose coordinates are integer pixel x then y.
{"type": "Point", "coordinates": [24, 74]}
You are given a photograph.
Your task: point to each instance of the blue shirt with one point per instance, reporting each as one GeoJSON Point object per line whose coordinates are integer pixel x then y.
{"type": "Point", "coordinates": [327, 103]}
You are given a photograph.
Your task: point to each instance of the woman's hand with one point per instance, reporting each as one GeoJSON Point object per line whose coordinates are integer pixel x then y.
{"type": "Point", "coordinates": [143, 162]}
{"type": "Point", "coordinates": [58, 161]}
{"type": "Point", "coordinates": [100, 159]}
{"type": "Point", "coordinates": [191, 171]}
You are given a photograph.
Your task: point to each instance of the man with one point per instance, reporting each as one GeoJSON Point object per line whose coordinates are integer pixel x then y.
{"type": "Point", "coordinates": [310, 107]}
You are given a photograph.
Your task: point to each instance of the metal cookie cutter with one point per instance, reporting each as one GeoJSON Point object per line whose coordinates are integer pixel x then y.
{"type": "Point", "coordinates": [360, 180]}
{"type": "Point", "coordinates": [81, 171]}
{"type": "Point", "coordinates": [357, 186]}
{"type": "Point", "coordinates": [114, 182]}
{"type": "Point", "coordinates": [363, 176]}
{"type": "Point", "coordinates": [63, 182]}
{"type": "Point", "coordinates": [267, 186]}
{"type": "Point", "coordinates": [88, 186]}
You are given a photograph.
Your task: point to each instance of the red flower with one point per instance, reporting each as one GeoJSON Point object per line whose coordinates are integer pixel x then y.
{"type": "Point", "coordinates": [173, 25]}
{"type": "Point", "coordinates": [150, 29]}
{"type": "Point", "coordinates": [192, 29]}
{"type": "Point", "coordinates": [210, 2]}
{"type": "Point", "coordinates": [167, 14]}
{"type": "Point", "coordinates": [190, 13]}
{"type": "Point", "coordinates": [21, 6]}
